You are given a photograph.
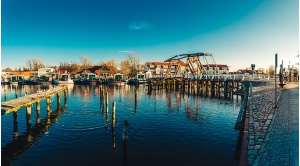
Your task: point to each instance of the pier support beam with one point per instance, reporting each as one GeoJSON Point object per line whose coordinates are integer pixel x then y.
{"type": "Point", "coordinates": [28, 116]}
{"type": "Point", "coordinates": [48, 103]}
{"type": "Point", "coordinates": [58, 101]}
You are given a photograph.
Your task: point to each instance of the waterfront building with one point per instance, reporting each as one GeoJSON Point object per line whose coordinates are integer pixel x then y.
{"type": "Point", "coordinates": [215, 69]}
{"type": "Point", "coordinates": [159, 69]}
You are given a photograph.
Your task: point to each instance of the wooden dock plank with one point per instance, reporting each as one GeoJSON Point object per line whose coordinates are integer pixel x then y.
{"type": "Point", "coordinates": [15, 104]}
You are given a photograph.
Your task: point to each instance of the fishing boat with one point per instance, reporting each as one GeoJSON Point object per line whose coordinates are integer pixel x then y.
{"type": "Point", "coordinates": [33, 79]}
{"type": "Point", "coordinates": [21, 80]}
{"type": "Point", "coordinates": [86, 79]}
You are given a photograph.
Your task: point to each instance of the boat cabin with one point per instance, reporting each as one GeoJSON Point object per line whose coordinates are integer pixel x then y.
{"type": "Point", "coordinates": [118, 76]}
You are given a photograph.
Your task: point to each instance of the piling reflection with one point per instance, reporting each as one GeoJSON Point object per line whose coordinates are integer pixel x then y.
{"type": "Point", "coordinates": [125, 140]}
{"type": "Point", "coordinates": [20, 143]}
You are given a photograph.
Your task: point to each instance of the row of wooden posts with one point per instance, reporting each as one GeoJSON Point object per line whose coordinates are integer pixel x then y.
{"type": "Point", "coordinates": [104, 103]}
{"type": "Point", "coordinates": [48, 107]}
{"type": "Point", "coordinates": [206, 87]}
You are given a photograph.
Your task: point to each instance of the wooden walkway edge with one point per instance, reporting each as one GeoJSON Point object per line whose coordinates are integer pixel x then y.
{"type": "Point", "coordinates": [15, 104]}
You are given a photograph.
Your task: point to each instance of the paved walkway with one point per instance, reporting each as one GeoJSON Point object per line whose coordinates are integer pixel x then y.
{"type": "Point", "coordinates": [280, 142]}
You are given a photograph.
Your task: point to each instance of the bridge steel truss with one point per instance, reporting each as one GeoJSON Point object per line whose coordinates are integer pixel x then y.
{"type": "Point", "coordinates": [193, 64]}
{"type": "Point", "coordinates": [175, 65]}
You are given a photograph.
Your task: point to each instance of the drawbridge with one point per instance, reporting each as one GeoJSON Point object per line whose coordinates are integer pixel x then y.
{"type": "Point", "coordinates": [194, 66]}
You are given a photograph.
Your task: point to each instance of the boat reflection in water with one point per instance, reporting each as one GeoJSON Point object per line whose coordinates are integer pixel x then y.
{"type": "Point", "coordinates": [166, 128]}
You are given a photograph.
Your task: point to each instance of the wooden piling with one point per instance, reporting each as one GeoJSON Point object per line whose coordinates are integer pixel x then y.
{"type": "Point", "coordinates": [226, 90]}
{"type": "Point", "coordinates": [212, 89]}
{"type": "Point", "coordinates": [28, 114]}
{"type": "Point", "coordinates": [106, 97]}
{"type": "Point", "coordinates": [15, 114]}
{"type": "Point", "coordinates": [113, 111]}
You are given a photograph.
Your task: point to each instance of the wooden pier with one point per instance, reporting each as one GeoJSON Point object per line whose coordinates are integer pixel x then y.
{"type": "Point", "coordinates": [213, 87]}
{"type": "Point", "coordinates": [28, 100]}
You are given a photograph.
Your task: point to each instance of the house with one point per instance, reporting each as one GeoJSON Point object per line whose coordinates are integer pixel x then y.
{"type": "Point", "coordinates": [159, 69]}
{"type": "Point", "coordinates": [213, 69]}
{"type": "Point", "coordinates": [104, 71]}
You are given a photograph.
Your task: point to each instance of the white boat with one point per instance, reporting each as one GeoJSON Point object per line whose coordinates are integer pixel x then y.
{"type": "Point", "coordinates": [65, 79]}
{"type": "Point", "coordinates": [141, 78]}
{"type": "Point", "coordinates": [14, 80]}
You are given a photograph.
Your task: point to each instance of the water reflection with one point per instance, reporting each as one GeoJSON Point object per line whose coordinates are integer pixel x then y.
{"type": "Point", "coordinates": [20, 143]}
{"type": "Point", "coordinates": [125, 140]}
{"type": "Point", "coordinates": [181, 116]}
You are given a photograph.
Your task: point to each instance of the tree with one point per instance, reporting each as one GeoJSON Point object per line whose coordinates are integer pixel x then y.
{"type": "Point", "coordinates": [134, 61]}
{"type": "Point", "coordinates": [271, 70]}
{"type": "Point", "coordinates": [7, 70]}
{"type": "Point", "coordinates": [262, 70]}
{"type": "Point", "coordinates": [125, 67]}
{"type": "Point", "coordinates": [111, 62]}
{"type": "Point", "coordinates": [35, 64]}
{"type": "Point", "coordinates": [86, 61]}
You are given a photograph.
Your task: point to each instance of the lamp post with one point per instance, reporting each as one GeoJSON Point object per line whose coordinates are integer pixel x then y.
{"type": "Point", "coordinates": [275, 96]}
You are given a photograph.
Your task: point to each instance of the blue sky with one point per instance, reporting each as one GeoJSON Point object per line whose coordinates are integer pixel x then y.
{"type": "Point", "coordinates": [237, 32]}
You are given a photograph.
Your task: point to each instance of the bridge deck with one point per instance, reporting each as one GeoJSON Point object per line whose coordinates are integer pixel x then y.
{"type": "Point", "coordinates": [15, 104]}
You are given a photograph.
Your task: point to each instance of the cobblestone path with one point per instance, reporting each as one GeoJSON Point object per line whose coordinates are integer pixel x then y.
{"type": "Point", "coordinates": [277, 143]}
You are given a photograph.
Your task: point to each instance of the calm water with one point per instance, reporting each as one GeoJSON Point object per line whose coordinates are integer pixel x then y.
{"type": "Point", "coordinates": [166, 128]}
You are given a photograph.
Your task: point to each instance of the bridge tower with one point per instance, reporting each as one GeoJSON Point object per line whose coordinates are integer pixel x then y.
{"type": "Point", "coordinates": [173, 67]}
{"type": "Point", "coordinates": [194, 65]}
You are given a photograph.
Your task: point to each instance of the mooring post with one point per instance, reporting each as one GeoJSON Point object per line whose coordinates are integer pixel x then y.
{"type": "Point", "coordinates": [106, 96]}
{"type": "Point", "coordinates": [15, 114]}
{"type": "Point", "coordinates": [275, 95]}
{"type": "Point", "coordinates": [113, 113]}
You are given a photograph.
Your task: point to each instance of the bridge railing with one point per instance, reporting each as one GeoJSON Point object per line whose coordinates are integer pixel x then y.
{"type": "Point", "coordinates": [259, 77]}
{"type": "Point", "coordinates": [235, 77]}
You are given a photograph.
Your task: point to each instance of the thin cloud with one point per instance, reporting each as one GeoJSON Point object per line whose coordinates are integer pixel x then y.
{"type": "Point", "coordinates": [124, 51]}
{"type": "Point", "coordinates": [139, 25]}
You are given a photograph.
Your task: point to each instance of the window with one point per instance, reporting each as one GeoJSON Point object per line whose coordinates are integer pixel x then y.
{"type": "Point", "coordinates": [104, 68]}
